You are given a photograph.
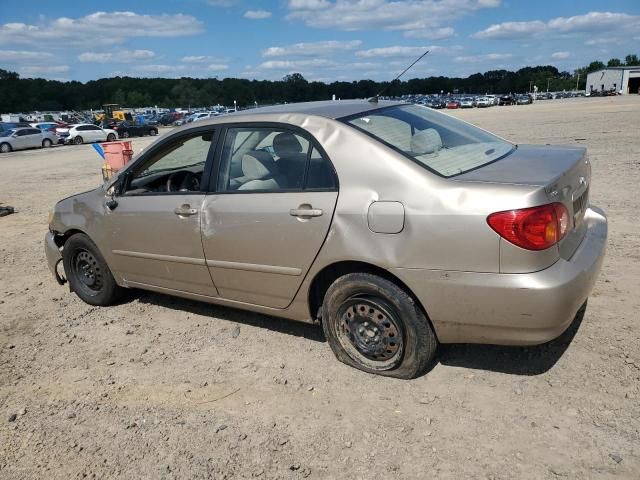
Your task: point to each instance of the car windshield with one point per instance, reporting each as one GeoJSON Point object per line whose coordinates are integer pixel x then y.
{"type": "Point", "coordinates": [436, 141]}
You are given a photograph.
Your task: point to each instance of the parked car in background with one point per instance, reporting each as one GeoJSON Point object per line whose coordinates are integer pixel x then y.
{"type": "Point", "coordinates": [493, 99]}
{"type": "Point", "coordinates": [523, 99]}
{"type": "Point", "coordinates": [483, 102]}
{"type": "Point", "coordinates": [466, 102]}
{"type": "Point", "coordinates": [50, 126]}
{"type": "Point", "coordinates": [23, 138]}
{"type": "Point", "coordinates": [13, 125]}
{"type": "Point", "coordinates": [452, 104]}
{"type": "Point", "coordinates": [507, 100]}
{"type": "Point", "coordinates": [203, 116]}
{"type": "Point", "coordinates": [126, 129]}
{"type": "Point", "coordinates": [292, 221]}
{"type": "Point", "coordinates": [86, 133]}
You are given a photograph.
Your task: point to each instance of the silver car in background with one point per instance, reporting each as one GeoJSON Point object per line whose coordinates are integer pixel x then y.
{"type": "Point", "coordinates": [393, 226]}
{"type": "Point", "coordinates": [23, 138]}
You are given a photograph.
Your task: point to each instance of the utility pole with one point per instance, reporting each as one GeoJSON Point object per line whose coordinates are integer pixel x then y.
{"type": "Point", "coordinates": [548, 84]}
{"type": "Point", "coordinates": [577, 81]}
{"type": "Point", "coordinates": [530, 83]}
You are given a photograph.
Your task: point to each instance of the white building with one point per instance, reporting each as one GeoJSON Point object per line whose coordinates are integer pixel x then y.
{"type": "Point", "coordinates": [625, 79]}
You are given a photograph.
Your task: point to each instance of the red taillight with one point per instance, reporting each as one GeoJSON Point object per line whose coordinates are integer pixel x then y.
{"type": "Point", "coordinates": [533, 228]}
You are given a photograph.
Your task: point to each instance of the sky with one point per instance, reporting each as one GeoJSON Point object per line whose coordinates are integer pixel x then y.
{"type": "Point", "coordinates": [324, 40]}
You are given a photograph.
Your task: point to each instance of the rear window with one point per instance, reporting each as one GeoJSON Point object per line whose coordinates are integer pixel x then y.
{"type": "Point", "coordinates": [436, 141]}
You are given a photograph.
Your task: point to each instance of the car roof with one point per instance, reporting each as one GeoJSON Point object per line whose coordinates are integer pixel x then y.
{"type": "Point", "coordinates": [328, 108]}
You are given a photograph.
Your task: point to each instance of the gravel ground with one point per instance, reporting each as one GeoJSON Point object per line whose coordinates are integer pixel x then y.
{"type": "Point", "coordinates": [166, 388]}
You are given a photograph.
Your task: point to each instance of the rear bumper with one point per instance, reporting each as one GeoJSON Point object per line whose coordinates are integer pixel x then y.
{"type": "Point", "coordinates": [512, 309]}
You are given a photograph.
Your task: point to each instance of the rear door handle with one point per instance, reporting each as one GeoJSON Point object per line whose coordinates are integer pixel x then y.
{"type": "Point", "coordinates": [305, 211]}
{"type": "Point", "coordinates": [185, 211]}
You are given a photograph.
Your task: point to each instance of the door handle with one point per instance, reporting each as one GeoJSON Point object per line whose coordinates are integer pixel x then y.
{"type": "Point", "coordinates": [305, 211]}
{"type": "Point", "coordinates": [185, 210]}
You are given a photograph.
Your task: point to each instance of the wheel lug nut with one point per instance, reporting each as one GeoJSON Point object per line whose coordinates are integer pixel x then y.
{"type": "Point", "coordinates": [366, 324]}
{"type": "Point", "coordinates": [361, 330]}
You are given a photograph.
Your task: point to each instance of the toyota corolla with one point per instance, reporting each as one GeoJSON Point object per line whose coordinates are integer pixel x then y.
{"type": "Point", "coordinates": [393, 226]}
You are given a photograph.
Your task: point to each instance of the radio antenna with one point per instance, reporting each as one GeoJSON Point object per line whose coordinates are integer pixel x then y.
{"type": "Point", "coordinates": [374, 99]}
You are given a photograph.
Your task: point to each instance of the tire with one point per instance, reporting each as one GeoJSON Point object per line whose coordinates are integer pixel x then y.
{"type": "Point", "coordinates": [373, 325]}
{"type": "Point", "coordinates": [78, 140]}
{"type": "Point", "coordinates": [125, 135]}
{"type": "Point", "coordinates": [88, 273]}
{"type": "Point", "coordinates": [5, 148]}
{"type": "Point", "coordinates": [111, 137]}
{"type": "Point", "coordinates": [46, 143]}
{"type": "Point", "coordinates": [153, 132]}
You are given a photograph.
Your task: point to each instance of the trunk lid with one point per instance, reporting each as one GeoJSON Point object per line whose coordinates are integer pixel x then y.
{"type": "Point", "coordinates": [563, 171]}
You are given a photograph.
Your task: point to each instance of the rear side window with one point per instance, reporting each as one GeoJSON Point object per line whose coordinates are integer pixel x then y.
{"type": "Point", "coordinates": [271, 160]}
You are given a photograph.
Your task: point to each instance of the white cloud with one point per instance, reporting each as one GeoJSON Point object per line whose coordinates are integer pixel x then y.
{"type": "Point", "coordinates": [431, 34]}
{"type": "Point", "coordinates": [293, 64]}
{"type": "Point", "coordinates": [402, 51]}
{"type": "Point", "coordinates": [308, 4]}
{"type": "Point", "coordinates": [203, 59]}
{"type": "Point", "coordinates": [591, 22]}
{"type": "Point", "coordinates": [560, 55]}
{"type": "Point", "coordinates": [217, 67]}
{"type": "Point", "coordinates": [382, 14]}
{"type": "Point", "coordinates": [489, 57]}
{"type": "Point", "coordinates": [15, 56]}
{"type": "Point", "coordinates": [121, 56]}
{"type": "Point", "coordinates": [41, 70]}
{"type": "Point", "coordinates": [100, 28]}
{"type": "Point", "coordinates": [257, 14]}
{"type": "Point", "coordinates": [312, 48]}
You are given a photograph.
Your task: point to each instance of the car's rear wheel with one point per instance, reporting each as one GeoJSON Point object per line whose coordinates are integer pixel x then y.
{"type": "Point", "coordinates": [125, 135]}
{"type": "Point", "coordinates": [153, 132]}
{"type": "Point", "coordinates": [5, 148]}
{"type": "Point", "coordinates": [46, 143]}
{"type": "Point", "coordinates": [78, 140]}
{"type": "Point", "coordinates": [374, 325]}
{"type": "Point", "coordinates": [88, 273]}
{"type": "Point", "coordinates": [111, 137]}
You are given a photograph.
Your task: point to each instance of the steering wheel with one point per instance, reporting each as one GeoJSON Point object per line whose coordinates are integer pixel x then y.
{"type": "Point", "coordinates": [183, 181]}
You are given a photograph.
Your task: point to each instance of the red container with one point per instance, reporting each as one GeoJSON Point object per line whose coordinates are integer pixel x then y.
{"type": "Point", "coordinates": [117, 154]}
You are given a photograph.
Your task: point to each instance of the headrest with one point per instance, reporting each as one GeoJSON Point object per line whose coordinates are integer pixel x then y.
{"type": "Point", "coordinates": [256, 165]}
{"type": "Point", "coordinates": [426, 141]}
{"type": "Point", "coordinates": [286, 143]}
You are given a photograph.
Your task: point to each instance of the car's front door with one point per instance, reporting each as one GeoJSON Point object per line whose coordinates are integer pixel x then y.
{"type": "Point", "coordinates": [154, 231]}
{"type": "Point", "coordinates": [21, 139]}
{"type": "Point", "coordinates": [269, 216]}
{"type": "Point", "coordinates": [97, 134]}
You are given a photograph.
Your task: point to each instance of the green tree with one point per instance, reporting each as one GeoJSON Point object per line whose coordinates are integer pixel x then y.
{"type": "Point", "coordinates": [614, 62]}
{"type": "Point", "coordinates": [632, 59]}
{"type": "Point", "coordinates": [593, 66]}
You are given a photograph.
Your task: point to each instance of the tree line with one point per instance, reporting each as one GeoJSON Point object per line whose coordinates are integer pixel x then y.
{"type": "Point", "coordinates": [27, 94]}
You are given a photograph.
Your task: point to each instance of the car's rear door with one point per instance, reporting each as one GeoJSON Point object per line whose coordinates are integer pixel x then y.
{"type": "Point", "coordinates": [269, 215]}
{"type": "Point", "coordinates": [154, 231]}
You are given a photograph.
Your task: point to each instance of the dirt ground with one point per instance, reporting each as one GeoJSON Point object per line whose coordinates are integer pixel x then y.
{"type": "Point", "coordinates": [165, 388]}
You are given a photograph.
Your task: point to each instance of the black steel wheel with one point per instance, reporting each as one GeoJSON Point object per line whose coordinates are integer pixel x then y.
{"type": "Point", "coordinates": [369, 331]}
{"type": "Point", "coordinates": [88, 273]}
{"type": "Point", "coordinates": [376, 326]}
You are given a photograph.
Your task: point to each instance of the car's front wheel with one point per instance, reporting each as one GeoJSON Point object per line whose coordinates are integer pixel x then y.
{"type": "Point", "coordinates": [125, 135]}
{"type": "Point", "coordinates": [153, 132]}
{"type": "Point", "coordinates": [111, 137]}
{"type": "Point", "coordinates": [374, 325]}
{"type": "Point", "coordinates": [88, 273]}
{"type": "Point", "coordinates": [5, 148]}
{"type": "Point", "coordinates": [78, 140]}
